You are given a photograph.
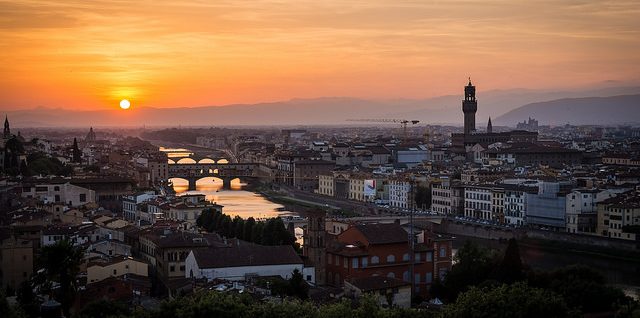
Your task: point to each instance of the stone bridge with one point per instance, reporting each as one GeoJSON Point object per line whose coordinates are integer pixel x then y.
{"type": "Point", "coordinates": [193, 172]}
{"type": "Point", "coordinates": [195, 158]}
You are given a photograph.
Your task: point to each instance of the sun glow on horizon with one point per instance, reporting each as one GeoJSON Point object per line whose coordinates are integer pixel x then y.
{"type": "Point", "coordinates": [125, 104]}
{"type": "Point", "coordinates": [91, 54]}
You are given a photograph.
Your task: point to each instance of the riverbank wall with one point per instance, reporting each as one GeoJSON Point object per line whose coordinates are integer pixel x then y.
{"type": "Point", "coordinates": [492, 232]}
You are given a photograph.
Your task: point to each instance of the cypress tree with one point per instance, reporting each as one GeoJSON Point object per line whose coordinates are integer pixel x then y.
{"type": "Point", "coordinates": [77, 156]}
{"type": "Point", "coordinates": [510, 270]}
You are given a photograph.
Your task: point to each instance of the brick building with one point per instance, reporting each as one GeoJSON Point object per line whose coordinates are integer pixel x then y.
{"type": "Point", "coordinates": [368, 250]}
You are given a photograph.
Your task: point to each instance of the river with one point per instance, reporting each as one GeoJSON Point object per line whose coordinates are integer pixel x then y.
{"type": "Point", "coordinates": [236, 201]}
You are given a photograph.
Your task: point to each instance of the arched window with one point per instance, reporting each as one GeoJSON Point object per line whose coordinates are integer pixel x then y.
{"type": "Point", "coordinates": [391, 275]}
{"type": "Point", "coordinates": [391, 259]}
{"type": "Point", "coordinates": [405, 257]}
{"type": "Point", "coordinates": [375, 260]}
{"type": "Point", "coordinates": [405, 276]}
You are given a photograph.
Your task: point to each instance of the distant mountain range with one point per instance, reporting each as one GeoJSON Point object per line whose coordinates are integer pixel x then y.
{"type": "Point", "coordinates": [549, 107]}
{"type": "Point", "coordinates": [622, 109]}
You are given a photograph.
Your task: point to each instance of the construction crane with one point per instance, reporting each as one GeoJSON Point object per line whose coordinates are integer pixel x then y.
{"type": "Point", "coordinates": [403, 122]}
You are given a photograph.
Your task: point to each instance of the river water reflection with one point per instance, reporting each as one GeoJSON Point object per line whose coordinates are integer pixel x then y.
{"type": "Point", "coordinates": [235, 201]}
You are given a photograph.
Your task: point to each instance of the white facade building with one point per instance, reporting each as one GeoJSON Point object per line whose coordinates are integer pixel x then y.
{"type": "Point", "coordinates": [515, 205]}
{"type": "Point", "coordinates": [130, 204]}
{"type": "Point", "coordinates": [235, 263]}
{"type": "Point", "coordinates": [326, 185]}
{"type": "Point", "coordinates": [441, 197]}
{"type": "Point", "coordinates": [66, 193]}
{"type": "Point", "coordinates": [582, 208]}
{"type": "Point", "coordinates": [399, 194]}
{"type": "Point", "coordinates": [477, 202]}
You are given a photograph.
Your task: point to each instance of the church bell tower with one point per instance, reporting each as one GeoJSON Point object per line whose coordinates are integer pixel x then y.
{"type": "Point", "coordinates": [469, 108]}
{"type": "Point", "coordinates": [7, 130]}
{"type": "Point", "coordinates": [314, 248]}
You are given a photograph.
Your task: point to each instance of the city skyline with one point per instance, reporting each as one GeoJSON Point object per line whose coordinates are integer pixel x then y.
{"type": "Point", "coordinates": [89, 56]}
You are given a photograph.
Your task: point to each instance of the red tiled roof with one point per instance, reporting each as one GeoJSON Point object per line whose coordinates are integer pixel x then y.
{"type": "Point", "coordinates": [246, 255]}
{"type": "Point", "coordinates": [380, 233]}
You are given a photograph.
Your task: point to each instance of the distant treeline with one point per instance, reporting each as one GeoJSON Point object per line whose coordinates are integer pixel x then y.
{"type": "Point", "coordinates": [269, 232]}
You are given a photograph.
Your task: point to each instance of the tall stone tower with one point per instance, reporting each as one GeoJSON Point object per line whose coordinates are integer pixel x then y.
{"type": "Point", "coordinates": [314, 244]}
{"type": "Point", "coordinates": [489, 126]}
{"type": "Point", "coordinates": [469, 108]}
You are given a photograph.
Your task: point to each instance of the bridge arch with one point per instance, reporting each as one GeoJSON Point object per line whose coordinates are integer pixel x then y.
{"type": "Point", "coordinates": [185, 161]}
{"type": "Point", "coordinates": [209, 183]}
{"type": "Point", "coordinates": [179, 184]}
{"type": "Point", "coordinates": [171, 162]}
{"type": "Point", "coordinates": [236, 183]}
{"type": "Point", "coordinates": [206, 160]}
{"type": "Point", "coordinates": [223, 161]}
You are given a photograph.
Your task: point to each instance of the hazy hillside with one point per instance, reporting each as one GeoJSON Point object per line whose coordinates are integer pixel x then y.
{"type": "Point", "coordinates": [330, 110]}
{"type": "Point", "coordinates": [590, 110]}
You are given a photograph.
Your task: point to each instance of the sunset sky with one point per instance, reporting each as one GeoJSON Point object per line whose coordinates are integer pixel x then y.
{"type": "Point", "coordinates": [91, 54]}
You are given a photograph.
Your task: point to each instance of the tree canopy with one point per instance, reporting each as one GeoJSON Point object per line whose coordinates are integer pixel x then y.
{"type": "Point", "coordinates": [516, 300]}
{"type": "Point", "coordinates": [61, 262]}
{"type": "Point", "coordinates": [582, 289]}
{"type": "Point", "coordinates": [269, 232]}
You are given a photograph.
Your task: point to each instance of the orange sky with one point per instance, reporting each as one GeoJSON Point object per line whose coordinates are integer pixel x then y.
{"type": "Point", "coordinates": [90, 54]}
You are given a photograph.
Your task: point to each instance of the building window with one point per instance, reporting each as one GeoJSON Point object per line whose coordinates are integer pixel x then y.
{"type": "Point", "coordinates": [391, 259]}
{"type": "Point", "coordinates": [172, 268]}
{"type": "Point", "coordinates": [417, 278]}
{"type": "Point", "coordinates": [354, 262]}
{"type": "Point", "coordinates": [405, 257]}
{"type": "Point", "coordinates": [405, 276]}
{"type": "Point", "coordinates": [391, 275]}
{"type": "Point", "coordinates": [429, 278]}
{"type": "Point", "coordinates": [417, 257]}
{"type": "Point", "coordinates": [115, 272]}
{"type": "Point", "coordinates": [443, 252]}
{"type": "Point", "coordinates": [429, 256]}
{"type": "Point", "coordinates": [83, 197]}
{"type": "Point", "coordinates": [364, 262]}
{"type": "Point", "coordinates": [442, 274]}
{"type": "Point", "coordinates": [375, 260]}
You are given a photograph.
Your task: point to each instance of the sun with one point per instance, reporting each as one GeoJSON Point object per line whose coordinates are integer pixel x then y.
{"type": "Point", "coordinates": [124, 104]}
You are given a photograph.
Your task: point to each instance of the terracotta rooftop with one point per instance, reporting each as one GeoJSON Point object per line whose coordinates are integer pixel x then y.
{"type": "Point", "coordinates": [380, 233]}
{"type": "Point", "coordinates": [246, 255]}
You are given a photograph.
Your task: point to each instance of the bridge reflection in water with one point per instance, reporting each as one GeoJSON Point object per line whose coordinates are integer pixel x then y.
{"type": "Point", "coordinates": [235, 200]}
